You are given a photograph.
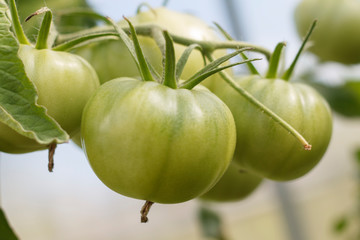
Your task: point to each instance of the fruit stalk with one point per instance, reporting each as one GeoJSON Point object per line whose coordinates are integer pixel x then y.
{"type": "Point", "coordinates": [145, 210]}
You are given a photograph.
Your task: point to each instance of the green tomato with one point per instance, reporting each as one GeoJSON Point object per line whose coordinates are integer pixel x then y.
{"type": "Point", "coordinates": [234, 185]}
{"type": "Point", "coordinates": [148, 141]}
{"type": "Point", "coordinates": [337, 35]}
{"type": "Point", "coordinates": [111, 59]}
{"type": "Point", "coordinates": [64, 83]}
{"type": "Point", "coordinates": [265, 148]}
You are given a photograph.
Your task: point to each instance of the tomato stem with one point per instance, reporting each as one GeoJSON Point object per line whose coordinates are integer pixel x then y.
{"type": "Point", "coordinates": [249, 65]}
{"type": "Point", "coordinates": [275, 60]}
{"type": "Point", "coordinates": [19, 31]}
{"type": "Point", "coordinates": [145, 4]}
{"type": "Point", "coordinates": [289, 72]}
{"type": "Point", "coordinates": [42, 39]}
{"type": "Point", "coordinates": [262, 107]}
{"type": "Point", "coordinates": [147, 30]}
{"type": "Point", "coordinates": [83, 40]}
{"type": "Point", "coordinates": [145, 211]}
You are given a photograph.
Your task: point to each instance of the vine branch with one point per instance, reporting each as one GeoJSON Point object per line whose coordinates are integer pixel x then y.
{"type": "Point", "coordinates": [147, 30]}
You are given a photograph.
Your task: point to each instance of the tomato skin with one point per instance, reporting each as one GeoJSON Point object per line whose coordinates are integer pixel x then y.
{"type": "Point", "coordinates": [265, 148]}
{"type": "Point", "coordinates": [147, 141]}
{"type": "Point", "coordinates": [234, 185]}
{"type": "Point", "coordinates": [111, 59]}
{"type": "Point", "coordinates": [64, 83]}
{"type": "Point", "coordinates": [337, 35]}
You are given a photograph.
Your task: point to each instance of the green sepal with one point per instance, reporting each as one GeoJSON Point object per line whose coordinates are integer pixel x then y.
{"type": "Point", "coordinates": [169, 62]}
{"type": "Point", "coordinates": [192, 83]}
{"type": "Point", "coordinates": [275, 60]}
{"type": "Point", "coordinates": [42, 38]}
{"type": "Point", "coordinates": [180, 65]}
{"type": "Point", "coordinates": [143, 64]}
{"type": "Point", "coordinates": [18, 107]}
{"type": "Point", "coordinates": [211, 66]}
{"type": "Point", "coordinates": [127, 41]}
{"type": "Point", "coordinates": [289, 72]}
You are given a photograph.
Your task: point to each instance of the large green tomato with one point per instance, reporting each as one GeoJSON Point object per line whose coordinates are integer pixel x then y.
{"type": "Point", "coordinates": [64, 83]}
{"type": "Point", "coordinates": [234, 185]}
{"type": "Point", "coordinates": [148, 141]}
{"type": "Point", "coordinates": [337, 35]}
{"type": "Point", "coordinates": [111, 59]}
{"type": "Point", "coordinates": [265, 148]}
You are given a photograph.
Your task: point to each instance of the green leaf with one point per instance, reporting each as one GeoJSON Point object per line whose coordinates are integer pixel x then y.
{"type": "Point", "coordinates": [211, 224]}
{"type": "Point", "coordinates": [358, 158]}
{"type": "Point", "coordinates": [6, 233]}
{"type": "Point", "coordinates": [341, 225]}
{"type": "Point", "coordinates": [18, 108]}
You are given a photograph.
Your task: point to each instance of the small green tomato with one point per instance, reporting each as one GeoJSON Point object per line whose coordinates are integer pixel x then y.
{"type": "Point", "coordinates": [64, 83]}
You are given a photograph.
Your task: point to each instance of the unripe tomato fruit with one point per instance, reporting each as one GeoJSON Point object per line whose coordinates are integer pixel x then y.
{"type": "Point", "coordinates": [64, 82]}
{"type": "Point", "coordinates": [337, 35]}
{"type": "Point", "coordinates": [263, 147]}
{"type": "Point", "coordinates": [111, 59]}
{"type": "Point", "coordinates": [234, 185]}
{"type": "Point", "coordinates": [148, 141]}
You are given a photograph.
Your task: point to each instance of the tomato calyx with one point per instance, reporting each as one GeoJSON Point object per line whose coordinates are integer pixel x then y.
{"type": "Point", "coordinates": [43, 35]}
{"type": "Point", "coordinates": [171, 69]}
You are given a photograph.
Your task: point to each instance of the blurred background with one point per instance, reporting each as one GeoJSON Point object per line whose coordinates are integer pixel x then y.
{"type": "Point", "coordinates": [71, 203]}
